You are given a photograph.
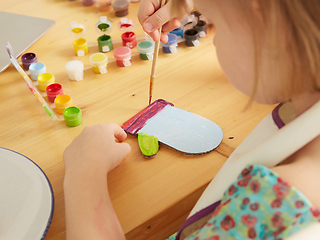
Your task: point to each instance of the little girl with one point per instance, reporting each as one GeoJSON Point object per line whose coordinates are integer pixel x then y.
{"type": "Point", "coordinates": [268, 188]}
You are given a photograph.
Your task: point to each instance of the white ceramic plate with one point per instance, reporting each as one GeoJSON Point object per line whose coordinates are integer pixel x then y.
{"type": "Point", "coordinates": [26, 198]}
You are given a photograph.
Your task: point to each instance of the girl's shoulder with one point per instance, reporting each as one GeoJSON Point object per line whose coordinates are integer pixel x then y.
{"type": "Point", "coordinates": [260, 203]}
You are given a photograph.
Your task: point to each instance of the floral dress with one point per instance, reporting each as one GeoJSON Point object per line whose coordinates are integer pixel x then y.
{"type": "Point", "coordinates": [258, 205]}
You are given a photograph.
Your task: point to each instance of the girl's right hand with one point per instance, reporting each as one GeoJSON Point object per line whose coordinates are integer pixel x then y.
{"type": "Point", "coordinates": [151, 17]}
{"type": "Point", "coordinates": [99, 147]}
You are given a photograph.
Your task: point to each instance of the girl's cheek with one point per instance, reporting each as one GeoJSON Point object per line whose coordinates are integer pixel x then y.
{"type": "Point", "coordinates": [214, 39]}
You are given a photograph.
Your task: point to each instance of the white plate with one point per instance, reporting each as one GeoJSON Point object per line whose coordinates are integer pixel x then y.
{"type": "Point", "coordinates": [26, 198]}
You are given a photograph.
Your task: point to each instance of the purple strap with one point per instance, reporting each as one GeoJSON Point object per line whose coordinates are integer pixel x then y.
{"type": "Point", "coordinates": [197, 216]}
{"type": "Point", "coordinates": [276, 117]}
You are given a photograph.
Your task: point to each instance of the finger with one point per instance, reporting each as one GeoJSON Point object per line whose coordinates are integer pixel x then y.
{"type": "Point", "coordinates": [171, 25]}
{"type": "Point", "coordinates": [147, 8]}
{"type": "Point", "coordinates": [157, 19]}
{"type": "Point", "coordinates": [119, 133]}
{"type": "Point", "coordinates": [124, 150]}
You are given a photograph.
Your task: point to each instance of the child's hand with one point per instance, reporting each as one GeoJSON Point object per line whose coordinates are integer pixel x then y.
{"type": "Point", "coordinates": [151, 17]}
{"type": "Point", "coordinates": [97, 148]}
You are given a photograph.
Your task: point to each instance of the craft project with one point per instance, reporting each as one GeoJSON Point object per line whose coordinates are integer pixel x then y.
{"type": "Point", "coordinates": [175, 128]}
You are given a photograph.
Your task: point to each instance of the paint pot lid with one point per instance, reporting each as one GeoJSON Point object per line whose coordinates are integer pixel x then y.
{"type": "Point", "coordinates": [37, 66]}
{"type": "Point", "coordinates": [43, 77]}
{"type": "Point", "coordinates": [72, 113]}
{"type": "Point", "coordinates": [120, 5]}
{"type": "Point", "coordinates": [29, 58]}
{"type": "Point", "coordinates": [98, 58]}
{"type": "Point", "coordinates": [77, 30]}
{"type": "Point", "coordinates": [74, 65]}
{"type": "Point", "coordinates": [103, 26]}
{"type": "Point", "coordinates": [177, 31]}
{"type": "Point", "coordinates": [172, 39]}
{"type": "Point", "coordinates": [62, 99]}
{"type": "Point", "coordinates": [145, 46]}
{"type": "Point", "coordinates": [189, 20]}
{"type": "Point", "coordinates": [121, 53]}
{"type": "Point", "coordinates": [54, 88]}
{"type": "Point", "coordinates": [126, 25]}
{"type": "Point", "coordinates": [191, 34]}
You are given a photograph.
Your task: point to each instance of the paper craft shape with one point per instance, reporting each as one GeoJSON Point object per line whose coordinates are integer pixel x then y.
{"type": "Point", "coordinates": [175, 128]}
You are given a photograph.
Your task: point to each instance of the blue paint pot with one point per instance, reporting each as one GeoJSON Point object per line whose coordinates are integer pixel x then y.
{"type": "Point", "coordinates": [172, 45]}
{"type": "Point", "coordinates": [178, 32]}
{"type": "Point", "coordinates": [36, 69]}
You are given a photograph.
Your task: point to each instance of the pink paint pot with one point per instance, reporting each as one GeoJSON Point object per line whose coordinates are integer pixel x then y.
{"type": "Point", "coordinates": [27, 59]}
{"type": "Point", "coordinates": [129, 39]}
{"type": "Point", "coordinates": [123, 56]}
{"type": "Point", "coordinates": [53, 91]}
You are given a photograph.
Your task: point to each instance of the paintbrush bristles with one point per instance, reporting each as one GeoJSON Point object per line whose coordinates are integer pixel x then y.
{"type": "Point", "coordinates": [155, 57]}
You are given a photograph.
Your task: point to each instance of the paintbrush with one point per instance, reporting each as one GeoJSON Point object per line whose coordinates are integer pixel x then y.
{"type": "Point", "coordinates": [154, 61]}
{"type": "Point", "coordinates": [29, 83]}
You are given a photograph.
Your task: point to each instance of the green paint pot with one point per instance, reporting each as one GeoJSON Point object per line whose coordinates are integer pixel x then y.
{"type": "Point", "coordinates": [72, 116]}
{"type": "Point", "coordinates": [105, 43]}
{"type": "Point", "coordinates": [146, 49]}
{"type": "Point", "coordinates": [148, 144]}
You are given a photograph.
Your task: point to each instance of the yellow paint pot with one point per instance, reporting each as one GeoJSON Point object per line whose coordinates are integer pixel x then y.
{"type": "Point", "coordinates": [99, 63]}
{"type": "Point", "coordinates": [44, 80]}
{"type": "Point", "coordinates": [80, 47]}
{"type": "Point", "coordinates": [62, 102]}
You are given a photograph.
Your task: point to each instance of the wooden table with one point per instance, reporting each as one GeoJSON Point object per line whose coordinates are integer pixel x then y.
{"type": "Point", "coordinates": [151, 197]}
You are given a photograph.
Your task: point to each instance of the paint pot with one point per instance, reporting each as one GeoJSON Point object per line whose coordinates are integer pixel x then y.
{"type": "Point", "coordinates": [201, 27]}
{"type": "Point", "coordinates": [27, 59]}
{"type": "Point", "coordinates": [105, 43]}
{"type": "Point", "coordinates": [80, 46]}
{"type": "Point", "coordinates": [104, 26]}
{"type": "Point", "coordinates": [192, 38]}
{"type": "Point", "coordinates": [146, 49]}
{"type": "Point", "coordinates": [103, 5]}
{"type": "Point", "coordinates": [123, 56]}
{"type": "Point", "coordinates": [62, 102]}
{"type": "Point", "coordinates": [172, 45]}
{"type": "Point", "coordinates": [121, 8]}
{"type": "Point", "coordinates": [77, 30]}
{"type": "Point", "coordinates": [36, 69]}
{"type": "Point", "coordinates": [74, 70]}
{"type": "Point", "coordinates": [72, 116]}
{"type": "Point", "coordinates": [126, 25]}
{"type": "Point", "coordinates": [99, 63]}
{"type": "Point", "coordinates": [178, 32]}
{"type": "Point", "coordinates": [129, 39]}
{"type": "Point", "coordinates": [88, 2]}
{"type": "Point", "coordinates": [44, 80]}
{"type": "Point", "coordinates": [54, 90]}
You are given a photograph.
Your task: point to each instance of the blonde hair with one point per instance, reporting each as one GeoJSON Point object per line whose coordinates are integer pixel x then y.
{"type": "Point", "coordinates": [292, 32]}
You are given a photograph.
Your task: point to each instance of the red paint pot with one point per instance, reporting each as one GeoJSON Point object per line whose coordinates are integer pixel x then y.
{"type": "Point", "coordinates": [54, 90]}
{"type": "Point", "coordinates": [123, 56]}
{"type": "Point", "coordinates": [129, 39]}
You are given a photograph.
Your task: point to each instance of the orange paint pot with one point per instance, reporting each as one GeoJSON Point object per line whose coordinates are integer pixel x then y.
{"type": "Point", "coordinates": [62, 102]}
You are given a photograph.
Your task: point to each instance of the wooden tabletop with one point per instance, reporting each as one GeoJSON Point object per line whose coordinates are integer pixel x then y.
{"type": "Point", "coordinates": [151, 197]}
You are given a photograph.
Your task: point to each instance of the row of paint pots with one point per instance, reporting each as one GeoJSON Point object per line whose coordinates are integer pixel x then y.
{"type": "Point", "coordinates": [46, 83]}
{"type": "Point", "coordinates": [120, 7]}
{"type": "Point", "coordinates": [145, 47]}
{"type": "Point", "coordinates": [62, 102]}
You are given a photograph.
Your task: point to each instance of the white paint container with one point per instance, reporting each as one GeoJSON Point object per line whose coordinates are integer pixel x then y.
{"type": "Point", "coordinates": [74, 70]}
